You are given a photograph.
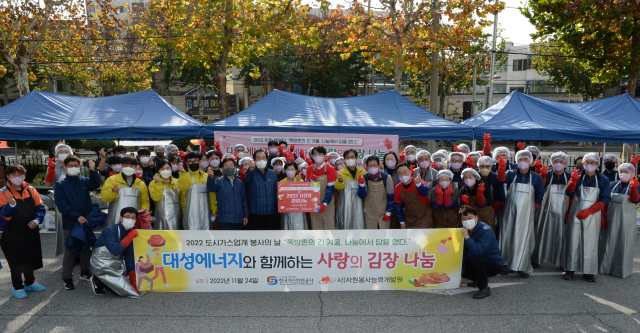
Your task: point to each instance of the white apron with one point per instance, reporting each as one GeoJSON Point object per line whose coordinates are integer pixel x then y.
{"type": "Point", "coordinates": [517, 236]}
{"type": "Point", "coordinates": [617, 237]}
{"type": "Point", "coordinates": [196, 207]}
{"type": "Point", "coordinates": [127, 197]}
{"type": "Point", "coordinates": [550, 225]}
{"type": "Point", "coordinates": [168, 210]}
{"type": "Point", "coordinates": [350, 207]}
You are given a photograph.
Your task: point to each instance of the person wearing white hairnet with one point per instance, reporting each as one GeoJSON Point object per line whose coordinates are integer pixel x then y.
{"type": "Point", "coordinates": [160, 155]}
{"type": "Point", "coordinates": [616, 250]}
{"type": "Point", "coordinates": [591, 193]}
{"type": "Point", "coordinates": [444, 199]}
{"type": "Point", "coordinates": [57, 171]}
{"type": "Point", "coordinates": [456, 165]}
{"type": "Point", "coordinates": [349, 205]}
{"type": "Point", "coordinates": [504, 152]}
{"type": "Point", "coordinates": [553, 212]}
{"type": "Point", "coordinates": [424, 169]}
{"type": "Point", "coordinates": [463, 148]}
{"type": "Point", "coordinates": [494, 185]}
{"type": "Point", "coordinates": [537, 166]}
{"type": "Point", "coordinates": [277, 165]}
{"type": "Point", "coordinates": [411, 200]}
{"type": "Point", "coordinates": [475, 156]}
{"type": "Point", "coordinates": [408, 155]}
{"type": "Point", "coordinates": [610, 161]}
{"type": "Point", "coordinates": [391, 162]}
{"type": "Point", "coordinates": [377, 191]}
{"type": "Point", "coordinates": [440, 161]}
{"type": "Point", "coordinates": [517, 229]}
{"type": "Point", "coordinates": [333, 156]}
{"type": "Point", "coordinates": [476, 194]}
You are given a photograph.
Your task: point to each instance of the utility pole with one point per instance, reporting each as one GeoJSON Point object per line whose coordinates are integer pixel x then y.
{"type": "Point", "coordinates": [435, 62]}
{"type": "Point", "coordinates": [493, 60]}
{"type": "Point", "coordinates": [473, 103]}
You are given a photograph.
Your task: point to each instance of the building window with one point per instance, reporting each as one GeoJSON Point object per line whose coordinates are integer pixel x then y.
{"type": "Point", "coordinates": [123, 9]}
{"type": "Point", "coordinates": [521, 65]}
{"type": "Point", "coordinates": [60, 87]}
{"type": "Point", "coordinates": [499, 88]}
{"type": "Point", "coordinates": [502, 68]}
{"type": "Point", "coordinates": [539, 86]}
{"type": "Point", "coordinates": [518, 89]}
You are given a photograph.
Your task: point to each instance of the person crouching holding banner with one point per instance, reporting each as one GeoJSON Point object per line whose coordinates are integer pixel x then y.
{"type": "Point", "coordinates": [124, 190]}
{"type": "Point", "coordinates": [112, 262]}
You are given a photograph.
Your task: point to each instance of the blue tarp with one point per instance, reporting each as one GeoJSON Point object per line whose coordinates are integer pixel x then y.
{"type": "Point", "coordinates": [523, 117]}
{"type": "Point", "coordinates": [384, 113]}
{"type": "Point", "coordinates": [142, 115]}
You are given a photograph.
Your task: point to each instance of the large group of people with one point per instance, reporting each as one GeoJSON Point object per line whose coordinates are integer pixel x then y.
{"type": "Point", "coordinates": [514, 212]}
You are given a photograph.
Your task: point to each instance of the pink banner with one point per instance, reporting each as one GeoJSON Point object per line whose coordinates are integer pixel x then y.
{"type": "Point", "coordinates": [365, 144]}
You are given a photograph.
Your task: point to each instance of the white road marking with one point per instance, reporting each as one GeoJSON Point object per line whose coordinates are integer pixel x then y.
{"type": "Point", "coordinates": [636, 259]}
{"type": "Point", "coordinates": [616, 306]}
{"type": "Point", "coordinates": [16, 324]}
{"type": "Point", "coordinates": [600, 328]}
{"type": "Point", "coordinates": [560, 273]}
{"type": "Point", "coordinates": [451, 292]}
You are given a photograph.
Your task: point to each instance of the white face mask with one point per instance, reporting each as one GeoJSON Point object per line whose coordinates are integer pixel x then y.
{"type": "Point", "coordinates": [589, 168]}
{"type": "Point", "coordinates": [273, 151]}
{"type": "Point", "coordinates": [144, 160]}
{"type": "Point", "coordinates": [240, 155]}
{"type": "Point", "coordinates": [128, 223]}
{"type": "Point", "coordinates": [350, 162]}
{"type": "Point", "coordinates": [261, 164]}
{"type": "Point", "coordinates": [340, 166]}
{"type": "Point", "coordinates": [469, 224]}
{"type": "Point", "coordinates": [128, 171]}
{"type": "Point", "coordinates": [73, 171]}
{"type": "Point", "coordinates": [332, 161]}
{"type": "Point", "coordinates": [558, 167]}
{"type": "Point", "coordinates": [62, 157]}
{"type": "Point", "coordinates": [625, 177]}
{"type": "Point", "coordinates": [165, 173]}
{"type": "Point", "coordinates": [523, 165]}
{"type": "Point", "coordinates": [318, 159]}
{"type": "Point", "coordinates": [469, 182]}
{"type": "Point", "coordinates": [444, 184]}
{"type": "Point", "coordinates": [278, 168]}
{"type": "Point", "coordinates": [411, 158]}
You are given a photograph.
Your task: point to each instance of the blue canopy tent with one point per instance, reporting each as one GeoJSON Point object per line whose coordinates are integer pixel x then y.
{"type": "Point", "coordinates": [142, 115]}
{"type": "Point", "coordinates": [523, 117]}
{"type": "Point", "coordinates": [384, 113]}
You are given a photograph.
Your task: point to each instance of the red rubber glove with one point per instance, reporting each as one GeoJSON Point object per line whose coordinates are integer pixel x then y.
{"type": "Point", "coordinates": [480, 199]}
{"type": "Point", "coordinates": [633, 190]}
{"type": "Point", "coordinates": [481, 153]}
{"type": "Point", "coordinates": [574, 180]}
{"type": "Point", "coordinates": [235, 156]}
{"type": "Point", "coordinates": [634, 160]}
{"type": "Point", "coordinates": [434, 166]}
{"type": "Point", "coordinates": [496, 206]}
{"type": "Point", "coordinates": [470, 163]}
{"type": "Point", "coordinates": [321, 210]}
{"type": "Point", "coordinates": [241, 174]}
{"type": "Point", "coordinates": [292, 148]}
{"type": "Point", "coordinates": [521, 145]}
{"type": "Point", "coordinates": [386, 217]}
{"type": "Point", "coordinates": [402, 157]}
{"type": "Point", "coordinates": [184, 158]}
{"type": "Point", "coordinates": [538, 166]}
{"type": "Point", "coordinates": [455, 148]}
{"type": "Point", "coordinates": [583, 214]}
{"type": "Point", "coordinates": [132, 280]}
{"type": "Point", "coordinates": [566, 217]}
{"type": "Point", "coordinates": [313, 177]}
{"type": "Point", "coordinates": [502, 169]}
{"type": "Point", "coordinates": [361, 180]}
{"type": "Point", "coordinates": [126, 241]}
{"type": "Point", "coordinates": [537, 206]}
{"type": "Point", "coordinates": [217, 145]}
{"type": "Point", "coordinates": [465, 200]}
{"type": "Point", "coordinates": [51, 172]}
{"type": "Point", "coordinates": [487, 144]}
{"type": "Point", "coordinates": [543, 172]}
{"type": "Point", "coordinates": [447, 194]}
{"type": "Point", "coordinates": [144, 219]}
{"type": "Point", "coordinates": [302, 154]}
{"type": "Point", "coordinates": [291, 158]}
{"type": "Point", "coordinates": [439, 196]}
{"type": "Point", "coordinates": [281, 150]}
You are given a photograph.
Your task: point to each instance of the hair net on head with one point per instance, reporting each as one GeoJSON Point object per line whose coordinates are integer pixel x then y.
{"type": "Point", "coordinates": [418, 149]}
{"type": "Point", "coordinates": [439, 155]}
{"type": "Point", "coordinates": [445, 172]}
{"type": "Point", "coordinates": [471, 171]}
{"type": "Point", "coordinates": [501, 151]}
{"type": "Point", "coordinates": [228, 155]}
{"type": "Point", "coordinates": [627, 166]}
{"type": "Point", "coordinates": [524, 153]}
{"type": "Point", "coordinates": [608, 156]}
{"type": "Point", "coordinates": [591, 157]}
{"type": "Point", "coordinates": [423, 153]}
{"type": "Point", "coordinates": [475, 154]}
{"type": "Point", "coordinates": [533, 149]}
{"type": "Point", "coordinates": [446, 152]}
{"type": "Point", "coordinates": [340, 159]}
{"type": "Point", "coordinates": [238, 146]}
{"type": "Point", "coordinates": [282, 159]}
{"type": "Point", "coordinates": [303, 166]}
{"type": "Point", "coordinates": [169, 148]}
{"type": "Point", "coordinates": [158, 146]}
{"type": "Point", "coordinates": [334, 154]}
{"type": "Point", "coordinates": [560, 156]}
{"type": "Point", "coordinates": [62, 147]}
{"type": "Point", "coordinates": [409, 147]}
{"type": "Point", "coordinates": [364, 158]}
{"type": "Point", "coordinates": [485, 160]}
{"type": "Point", "coordinates": [457, 154]}
{"type": "Point", "coordinates": [299, 160]}
{"type": "Point", "coordinates": [463, 146]}
{"type": "Point", "coordinates": [245, 160]}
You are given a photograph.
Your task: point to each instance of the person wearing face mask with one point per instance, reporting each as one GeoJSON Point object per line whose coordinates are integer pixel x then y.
{"type": "Point", "coordinates": [504, 152]}
{"type": "Point", "coordinates": [537, 166]}
{"type": "Point", "coordinates": [175, 162]}
{"type": "Point", "coordinates": [278, 166]}
{"type": "Point", "coordinates": [440, 161]}
{"type": "Point", "coordinates": [124, 190]}
{"type": "Point", "coordinates": [108, 171]}
{"type": "Point", "coordinates": [456, 165]}
{"type": "Point", "coordinates": [239, 151]}
{"type": "Point", "coordinates": [391, 162]}
{"type": "Point", "coordinates": [610, 162]}
{"type": "Point", "coordinates": [55, 171]}
{"type": "Point", "coordinates": [172, 150]}
{"type": "Point", "coordinates": [243, 166]}
{"type": "Point", "coordinates": [262, 187]}
{"type": "Point", "coordinates": [112, 261]}
{"type": "Point", "coordinates": [214, 157]}
{"type": "Point", "coordinates": [333, 156]}
{"type": "Point", "coordinates": [160, 155]}
{"type": "Point", "coordinates": [409, 154]}
{"type": "Point", "coordinates": [424, 169]}
{"type": "Point", "coordinates": [164, 191]}
{"type": "Point", "coordinates": [463, 148]}
{"type": "Point", "coordinates": [114, 167]}
{"type": "Point", "coordinates": [474, 194]}
{"type": "Point", "coordinates": [321, 172]}
{"type": "Point", "coordinates": [494, 188]}
{"type": "Point", "coordinates": [553, 211]}
{"type": "Point", "coordinates": [474, 156]}
{"type": "Point", "coordinates": [517, 232]}
{"type": "Point", "coordinates": [591, 193]}
{"type": "Point", "coordinates": [481, 257]}
{"type": "Point", "coordinates": [616, 250]}
{"type": "Point", "coordinates": [377, 191]}
{"type": "Point", "coordinates": [411, 200]}
{"type": "Point", "coordinates": [233, 207]}
{"type": "Point", "coordinates": [299, 161]}
{"type": "Point", "coordinates": [273, 151]}
{"type": "Point", "coordinates": [349, 206]}
{"type": "Point", "coordinates": [283, 147]}
{"type": "Point", "coordinates": [578, 163]}
{"type": "Point", "coordinates": [22, 208]}
{"type": "Point", "coordinates": [444, 199]}
{"type": "Point", "coordinates": [73, 201]}
{"type": "Point", "coordinates": [293, 221]}
{"type": "Point", "coordinates": [148, 165]}
{"type": "Point", "coordinates": [197, 204]}
{"type": "Point", "coordinates": [302, 169]}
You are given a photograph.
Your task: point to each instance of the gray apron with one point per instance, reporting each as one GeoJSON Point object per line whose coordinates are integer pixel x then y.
{"type": "Point", "coordinates": [59, 233]}
{"type": "Point", "coordinates": [196, 207]}
{"type": "Point", "coordinates": [111, 271]}
{"type": "Point", "coordinates": [127, 197]}
{"type": "Point", "coordinates": [617, 237]}
{"type": "Point", "coordinates": [294, 221]}
{"type": "Point", "coordinates": [580, 245]}
{"type": "Point", "coordinates": [430, 178]}
{"type": "Point", "coordinates": [168, 210]}
{"type": "Point", "coordinates": [61, 172]}
{"type": "Point", "coordinates": [550, 225]}
{"type": "Point", "coordinates": [350, 207]}
{"type": "Point", "coordinates": [517, 234]}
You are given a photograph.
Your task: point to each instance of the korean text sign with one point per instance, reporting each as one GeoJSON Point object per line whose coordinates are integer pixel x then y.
{"type": "Point", "coordinates": [298, 197]}
{"type": "Point", "coordinates": [301, 260]}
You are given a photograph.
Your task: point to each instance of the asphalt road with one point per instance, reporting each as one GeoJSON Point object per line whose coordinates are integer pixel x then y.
{"type": "Point", "coordinates": [542, 303]}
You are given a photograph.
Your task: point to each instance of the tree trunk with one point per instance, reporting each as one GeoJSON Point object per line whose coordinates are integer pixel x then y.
{"type": "Point", "coordinates": [200, 108]}
{"type": "Point", "coordinates": [221, 83]}
{"type": "Point", "coordinates": [398, 71]}
{"type": "Point", "coordinates": [633, 68]}
{"type": "Point", "coordinates": [5, 93]}
{"type": "Point", "coordinates": [442, 96]}
{"type": "Point", "coordinates": [21, 74]}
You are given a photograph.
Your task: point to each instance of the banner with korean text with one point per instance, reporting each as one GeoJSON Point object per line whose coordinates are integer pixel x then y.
{"type": "Point", "coordinates": [300, 260]}
{"type": "Point", "coordinates": [365, 144]}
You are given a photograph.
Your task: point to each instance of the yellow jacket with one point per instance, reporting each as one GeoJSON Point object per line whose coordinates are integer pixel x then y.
{"type": "Point", "coordinates": [346, 175]}
{"type": "Point", "coordinates": [156, 189]}
{"type": "Point", "coordinates": [108, 195]}
{"type": "Point", "coordinates": [295, 180]}
{"type": "Point", "coordinates": [200, 177]}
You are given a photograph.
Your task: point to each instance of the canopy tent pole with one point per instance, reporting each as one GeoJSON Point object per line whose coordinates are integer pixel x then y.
{"type": "Point", "coordinates": [15, 161]}
{"type": "Point", "coordinates": [604, 152]}
{"type": "Point", "coordinates": [473, 144]}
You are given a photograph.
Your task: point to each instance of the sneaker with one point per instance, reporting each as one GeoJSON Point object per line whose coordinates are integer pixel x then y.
{"type": "Point", "coordinates": [568, 275]}
{"type": "Point", "coordinates": [505, 271]}
{"type": "Point", "coordinates": [482, 293]}
{"type": "Point", "coordinates": [68, 284]}
{"type": "Point", "coordinates": [86, 276]}
{"type": "Point", "coordinates": [535, 265]}
{"type": "Point", "coordinates": [523, 275]}
{"type": "Point", "coordinates": [590, 277]}
{"type": "Point", "coordinates": [98, 290]}
{"type": "Point", "coordinates": [472, 285]}
{"type": "Point", "coordinates": [35, 287]}
{"type": "Point", "coordinates": [166, 285]}
{"type": "Point", "coordinates": [19, 293]}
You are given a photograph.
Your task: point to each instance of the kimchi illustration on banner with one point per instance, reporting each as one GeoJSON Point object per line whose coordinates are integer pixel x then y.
{"type": "Point", "coordinates": [297, 197]}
